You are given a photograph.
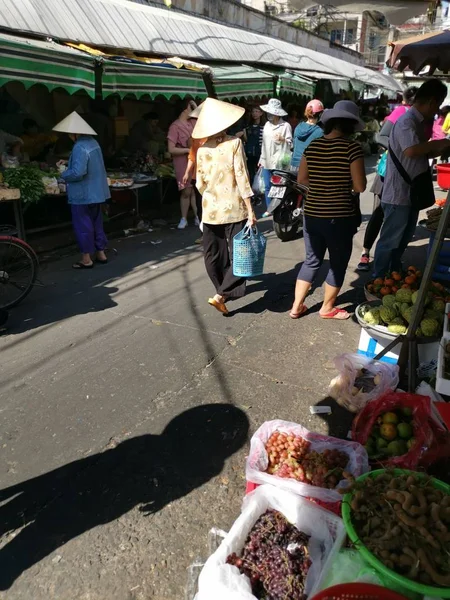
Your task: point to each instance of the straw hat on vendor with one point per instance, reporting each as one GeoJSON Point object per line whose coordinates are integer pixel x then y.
{"type": "Point", "coordinates": [223, 181]}
{"type": "Point", "coordinates": [87, 190]}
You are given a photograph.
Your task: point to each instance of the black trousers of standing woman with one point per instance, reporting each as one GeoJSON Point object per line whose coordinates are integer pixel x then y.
{"type": "Point", "coordinates": [218, 254]}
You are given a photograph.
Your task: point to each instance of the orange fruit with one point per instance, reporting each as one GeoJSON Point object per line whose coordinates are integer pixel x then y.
{"type": "Point", "coordinates": [385, 290]}
{"type": "Point", "coordinates": [389, 282]}
{"type": "Point", "coordinates": [388, 431]}
{"type": "Point", "coordinates": [410, 279]}
{"type": "Point", "coordinates": [396, 276]}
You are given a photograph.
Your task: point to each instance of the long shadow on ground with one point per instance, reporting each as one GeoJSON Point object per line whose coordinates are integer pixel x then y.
{"type": "Point", "coordinates": [149, 471]}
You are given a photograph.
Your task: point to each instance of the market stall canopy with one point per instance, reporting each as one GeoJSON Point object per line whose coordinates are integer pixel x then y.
{"type": "Point", "coordinates": [396, 11]}
{"type": "Point", "coordinates": [292, 83]}
{"type": "Point", "coordinates": [126, 77]}
{"type": "Point", "coordinates": [34, 62]}
{"type": "Point", "coordinates": [235, 81]}
{"type": "Point", "coordinates": [143, 28]}
{"type": "Point", "coordinates": [431, 49]}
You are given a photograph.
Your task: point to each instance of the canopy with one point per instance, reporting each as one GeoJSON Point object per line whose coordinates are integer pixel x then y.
{"type": "Point", "coordinates": [143, 28]}
{"type": "Point", "coordinates": [291, 83]}
{"type": "Point", "coordinates": [431, 49]}
{"type": "Point", "coordinates": [32, 62]}
{"type": "Point", "coordinates": [125, 77]}
{"type": "Point", "coordinates": [240, 80]}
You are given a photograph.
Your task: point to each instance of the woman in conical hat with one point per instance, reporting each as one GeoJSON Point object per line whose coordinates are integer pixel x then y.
{"type": "Point", "coordinates": [87, 189]}
{"type": "Point", "coordinates": [223, 181]}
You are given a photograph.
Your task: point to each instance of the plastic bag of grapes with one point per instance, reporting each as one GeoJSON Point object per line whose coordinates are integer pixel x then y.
{"type": "Point", "coordinates": [309, 464]}
{"type": "Point", "coordinates": [220, 580]}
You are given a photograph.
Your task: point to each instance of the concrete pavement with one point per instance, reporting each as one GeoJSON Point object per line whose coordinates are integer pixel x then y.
{"type": "Point", "coordinates": [104, 494]}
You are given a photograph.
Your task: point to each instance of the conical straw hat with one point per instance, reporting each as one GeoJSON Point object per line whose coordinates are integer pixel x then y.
{"type": "Point", "coordinates": [216, 116]}
{"type": "Point", "coordinates": [196, 112]}
{"type": "Point", "coordinates": [74, 124]}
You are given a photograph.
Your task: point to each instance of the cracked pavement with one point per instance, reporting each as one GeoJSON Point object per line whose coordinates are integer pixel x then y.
{"type": "Point", "coordinates": [96, 365]}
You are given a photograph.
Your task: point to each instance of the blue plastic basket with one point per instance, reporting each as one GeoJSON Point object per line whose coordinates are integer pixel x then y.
{"type": "Point", "coordinates": [249, 251]}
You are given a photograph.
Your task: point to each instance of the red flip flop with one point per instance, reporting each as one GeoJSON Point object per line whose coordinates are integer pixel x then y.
{"type": "Point", "coordinates": [295, 315]}
{"type": "Point", "coordinates": [337, 313]}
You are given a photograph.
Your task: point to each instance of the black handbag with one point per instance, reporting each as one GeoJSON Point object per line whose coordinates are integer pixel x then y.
{"type": "Point", "coordinates": [422, 189]}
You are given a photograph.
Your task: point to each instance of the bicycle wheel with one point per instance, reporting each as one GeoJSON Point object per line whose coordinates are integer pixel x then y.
{"type": "Point", "coordinates": [18, 271]}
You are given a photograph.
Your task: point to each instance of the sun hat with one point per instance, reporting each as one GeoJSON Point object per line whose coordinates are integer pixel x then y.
{"type": "Point", "coordinates": [315, 106]}
{"type": "Point", "coordinates": [344, 109]}
{"type": "Point", "coordinates": [273, 107]}
{"type": "Point", "coordinates": [216, 116]}
{"type": "Point", "coordinates": [73, 123]}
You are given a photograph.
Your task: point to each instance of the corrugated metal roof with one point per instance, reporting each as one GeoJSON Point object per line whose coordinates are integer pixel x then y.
{"type": "Point", "coordinates": [126, 24]}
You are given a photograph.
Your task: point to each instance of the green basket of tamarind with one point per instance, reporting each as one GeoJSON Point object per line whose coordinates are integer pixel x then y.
{"type": "Point", "coordinates": [399, 521]}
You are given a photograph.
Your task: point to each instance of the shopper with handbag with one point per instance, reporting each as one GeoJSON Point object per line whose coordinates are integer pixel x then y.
{"type": "Point", "coordinates": [276, 148]}
{"type": "Point", "coordinates": [408, 184]}
{"type": "Point", "coordinates": [223, 181]}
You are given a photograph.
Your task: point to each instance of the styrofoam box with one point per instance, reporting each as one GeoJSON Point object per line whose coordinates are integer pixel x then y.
{"type": "Point", "coordinates": [442, 384]}
{"type": "Point", "coordinates": [370, 346]}
{"type": "Point", "coordinates": [446, 319]}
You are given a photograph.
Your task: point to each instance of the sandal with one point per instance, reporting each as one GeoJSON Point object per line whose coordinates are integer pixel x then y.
{"type": "Point", "coordinates": [220, 306]}
{"type": "Point", "coordinates": [79, 265]}
{"type": "Point", "coordinates": [337, 313]}
{"type": "Point", "coordinates": [101, 262]}
{"type": "Point", "coordinates": [297, 315]}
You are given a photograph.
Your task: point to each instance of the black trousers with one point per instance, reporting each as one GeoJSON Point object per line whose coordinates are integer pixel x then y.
{"type": "Point", "coordinates": [374, 225]}
{"type": "Point", "coordinates": [252, 166]}
{"type": "Point", "coordinates": [218, 254]}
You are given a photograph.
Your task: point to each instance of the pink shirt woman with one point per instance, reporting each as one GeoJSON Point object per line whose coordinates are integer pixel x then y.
{"type": "Point", "coordinates": [179, 141]}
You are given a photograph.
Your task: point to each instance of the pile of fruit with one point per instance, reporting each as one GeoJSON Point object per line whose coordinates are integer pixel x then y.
{"type": "Point", "coordinates": [392, 435]}
{"type": "Point", "coordinates": [275, 558]}
{"type": "Point", "coordinates": [396, 310]}
{"type": "Point", "coordinates": [395, 281]}
{"type": "Point", "coordinates": [290, 456]}
{"type": "Point", "coordinates": [405, 522]}
{"type": "Point", "coordinates": [383, 286]}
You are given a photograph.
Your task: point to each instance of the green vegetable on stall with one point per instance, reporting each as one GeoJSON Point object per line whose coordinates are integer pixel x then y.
{"type": "Point", "coordinates": [28, 180]}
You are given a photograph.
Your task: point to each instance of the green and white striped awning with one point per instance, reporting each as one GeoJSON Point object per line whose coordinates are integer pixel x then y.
{"type": "Point", "coordinates": [140, 79]}
{"type": "Point", "coordinates": [241, 81]}
{"type": "Point", "coordinates": [34, 62]}
{"type": "Point", "coordinates": [291, 83]}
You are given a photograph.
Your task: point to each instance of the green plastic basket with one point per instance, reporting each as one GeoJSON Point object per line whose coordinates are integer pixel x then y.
{"type": "Point", "coordinates": [389, 577]}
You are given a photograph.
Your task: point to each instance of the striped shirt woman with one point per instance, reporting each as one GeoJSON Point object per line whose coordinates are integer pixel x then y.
{"type": "Point", "coordinates": [333, 169]}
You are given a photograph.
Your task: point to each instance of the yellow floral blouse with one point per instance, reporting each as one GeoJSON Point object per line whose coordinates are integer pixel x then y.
{"type": "Point", "coordinates": [223, 181]}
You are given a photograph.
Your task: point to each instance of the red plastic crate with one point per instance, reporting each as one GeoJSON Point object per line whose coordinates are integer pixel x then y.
{"type": "Point", "coordinates": [443, 176]}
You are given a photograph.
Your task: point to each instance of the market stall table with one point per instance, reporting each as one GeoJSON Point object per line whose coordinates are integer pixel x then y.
{"type": "Point", "coordinates": [13, 195]}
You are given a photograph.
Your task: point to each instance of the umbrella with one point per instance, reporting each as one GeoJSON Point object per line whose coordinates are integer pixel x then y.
{"type": "Point", "coordinates": [430, 49]}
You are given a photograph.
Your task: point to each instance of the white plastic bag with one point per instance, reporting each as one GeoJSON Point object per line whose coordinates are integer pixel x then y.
{"type": "Point", "coordinates": [259, 186]}
{"type": "Point", "coordinates": [348, 365]}
{"type": "Point", "coordinates": [258, 461]}
{"type": "Point", "coordinates": [219, 581]}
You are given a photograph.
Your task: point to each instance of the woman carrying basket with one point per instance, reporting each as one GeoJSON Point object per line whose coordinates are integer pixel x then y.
{"type": "Point", "coordinates": [223, 181]}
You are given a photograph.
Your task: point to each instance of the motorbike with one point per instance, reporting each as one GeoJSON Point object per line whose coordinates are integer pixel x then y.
{"type": "Point", "coordinates": [286, 206]}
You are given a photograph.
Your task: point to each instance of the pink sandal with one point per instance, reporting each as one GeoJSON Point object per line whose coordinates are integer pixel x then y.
{"type": "Point", "coordinates": [337, 313]}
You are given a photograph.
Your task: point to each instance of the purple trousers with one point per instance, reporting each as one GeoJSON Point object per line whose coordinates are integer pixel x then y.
{"type": "Point", "coordinates": [87, 221]}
